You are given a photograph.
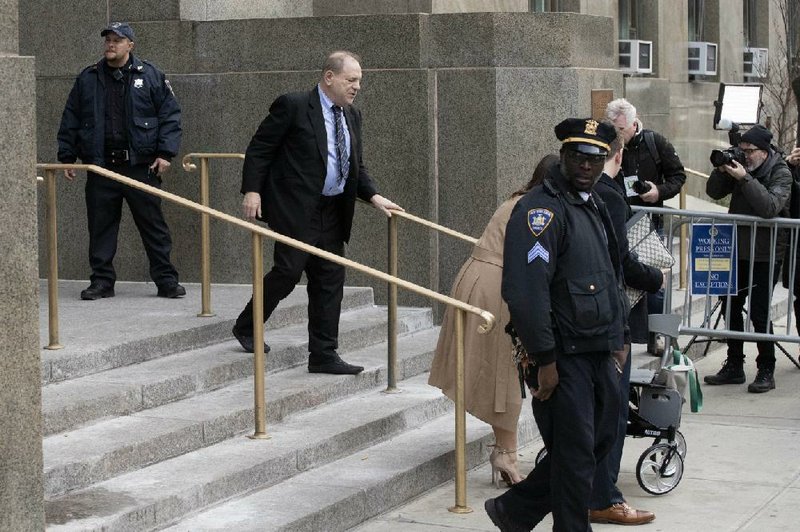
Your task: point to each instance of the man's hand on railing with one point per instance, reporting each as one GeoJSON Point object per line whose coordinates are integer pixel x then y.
{"type": "Point", "coordinates": [385, 205]}
{"type": "Point", "coordinates": [69, 173]}
{"type": "Point", "coordinates": [160, 166]}
{"type": "Point", "coordinates": [251, 206]}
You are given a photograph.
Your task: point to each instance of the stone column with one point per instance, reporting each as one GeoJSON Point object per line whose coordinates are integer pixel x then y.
{"type": "Point", "coordinates": [21, 495]}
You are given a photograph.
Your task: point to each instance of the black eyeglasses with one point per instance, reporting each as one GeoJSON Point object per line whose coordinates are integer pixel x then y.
{"type": "Point", "coordinates": [750, 151]}
{"type": "Point", "coordinates": [580, 158]}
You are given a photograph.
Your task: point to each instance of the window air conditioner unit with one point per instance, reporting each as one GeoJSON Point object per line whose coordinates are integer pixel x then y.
{"type": "Point", "coordinates": [702, 58]}
{"type": "Point", "coordinates": [636, 57]}
{"type": "Point", "coordinates": [756, 62]}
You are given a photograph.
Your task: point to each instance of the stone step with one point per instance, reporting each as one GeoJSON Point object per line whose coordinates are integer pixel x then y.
{"type": "Point", "coordinates": [349, 491]}
{"type": "Point", "coordinates": [122, 391]}
{"type": "Point", "coordinates": [136, 326]}
{"type": "Point", "coordinates": [163, 493]}
{"type": "Point", "coordinates": [91, 454]}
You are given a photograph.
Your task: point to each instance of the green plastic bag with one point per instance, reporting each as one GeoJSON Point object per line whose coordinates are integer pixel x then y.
{"type": "Point", "coordinates": [681, 375]}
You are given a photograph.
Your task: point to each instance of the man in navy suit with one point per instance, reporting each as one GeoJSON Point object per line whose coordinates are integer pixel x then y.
{"type": "Point", "coordinates": [303, 171]}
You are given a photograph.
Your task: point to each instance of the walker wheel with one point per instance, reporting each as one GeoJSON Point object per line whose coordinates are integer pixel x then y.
{"type": "Point", "coordinates": [680, 443]}
{"type": "Point", "coordinates": [660, 468]}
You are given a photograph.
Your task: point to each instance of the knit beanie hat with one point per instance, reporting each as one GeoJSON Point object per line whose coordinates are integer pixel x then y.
{"type": "Point", "coordinates": [758, 136]}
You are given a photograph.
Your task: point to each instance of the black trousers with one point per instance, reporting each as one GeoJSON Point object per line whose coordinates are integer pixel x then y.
{"type": "Point", "coordinates": [104, 210]}
{"type": "Point", "coordinates": [325, 281]}
{"type": "Point", "coordinates": [604, 488]}
{"type": "Point", "coordinates": [759, 310]}
{"type": "Point", "coordinates": [578, 425]}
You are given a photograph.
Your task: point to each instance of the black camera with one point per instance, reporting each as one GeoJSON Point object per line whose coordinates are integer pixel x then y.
{"type": "Point", "coordinates": [722, 157]}
{"type": "Point", "coordinates": [640, 187]}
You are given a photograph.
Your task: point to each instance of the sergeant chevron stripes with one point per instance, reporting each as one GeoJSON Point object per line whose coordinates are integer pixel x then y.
{"type": "Point", "coordinates": [538, 251]}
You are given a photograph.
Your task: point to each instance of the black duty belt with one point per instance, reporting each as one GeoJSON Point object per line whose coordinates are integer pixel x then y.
{"type": "Point", "coordinates": [117, 156]}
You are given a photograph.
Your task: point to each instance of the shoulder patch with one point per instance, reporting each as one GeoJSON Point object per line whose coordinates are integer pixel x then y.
{"type": "Point", "coordinates": [538, 220]}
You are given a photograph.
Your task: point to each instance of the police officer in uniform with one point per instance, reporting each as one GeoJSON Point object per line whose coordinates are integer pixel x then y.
{"type": "Point", "coordinates": [122, 115]}
{"type": "Point", "coordinates": [563, 284]}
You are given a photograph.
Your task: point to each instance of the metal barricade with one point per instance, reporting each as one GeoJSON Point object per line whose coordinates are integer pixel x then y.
{"type": "Point", "coordinates": [699, 305]}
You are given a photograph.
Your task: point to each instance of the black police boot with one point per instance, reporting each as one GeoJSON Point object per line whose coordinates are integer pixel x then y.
{"type": "Point", "coordinates": [732, 372]}
{"type": "Point", "coordinates": [97, 291]}
{"type": "Point", "coordinates": [764, 381]}
{"type": "Point", "coordinates": [501, 520]}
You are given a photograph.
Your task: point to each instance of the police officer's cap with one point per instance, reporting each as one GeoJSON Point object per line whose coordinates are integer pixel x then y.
{"type": "Point", "coordinates": [586, 135]}
{"type": "Point", "coordinates": [123, 29]}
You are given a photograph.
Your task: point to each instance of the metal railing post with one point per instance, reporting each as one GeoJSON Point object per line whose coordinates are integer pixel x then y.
{"type": "Point", "coordinates": [461, 422]}
{"type": "Point", "coordinates": [682, 245]}
{"type": "Point", "coordinates": [205, 244]}
{"type": "Point", "coordinates": [391, 329]}
{"type": "Point", "coordinates": [52, 262]}
{"type": "Point", "coordinates": [260, 409]}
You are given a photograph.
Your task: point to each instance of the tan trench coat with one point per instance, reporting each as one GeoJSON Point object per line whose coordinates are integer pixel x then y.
{"type": "Point", "coordinates": [492, 392]}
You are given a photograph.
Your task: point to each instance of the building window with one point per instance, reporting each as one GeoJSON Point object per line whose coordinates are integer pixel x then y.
{"type": "Point", "coordinates": [696, 17]}
{"type": "Point", "coordinates": [542, 6]}
{"type": "Point", "coordinates": [628, 19]}
{"type": "Point", "coordinates": [750, 20]}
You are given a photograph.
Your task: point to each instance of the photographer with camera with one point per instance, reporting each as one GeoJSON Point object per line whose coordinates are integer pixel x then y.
{"type": "Point", "coordinates": [759, 183]}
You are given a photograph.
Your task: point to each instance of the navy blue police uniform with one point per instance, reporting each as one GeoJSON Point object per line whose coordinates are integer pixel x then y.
{"type": "Point", "coordinates": [563, 284]}
{"type": "Point", "coordinates": [123, 119]}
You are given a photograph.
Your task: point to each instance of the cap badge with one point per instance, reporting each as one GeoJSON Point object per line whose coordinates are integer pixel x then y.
{"type": "Point", "coordinates": [591, 127]}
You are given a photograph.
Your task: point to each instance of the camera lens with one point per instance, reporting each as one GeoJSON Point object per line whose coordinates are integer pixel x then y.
{"type": "Point", "coordinates": [719, 157]}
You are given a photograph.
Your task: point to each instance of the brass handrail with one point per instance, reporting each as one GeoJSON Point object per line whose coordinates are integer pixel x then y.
{"type": "Point", "coordinates": [258, 330]}
{"type": "Point", "coordinates": [437, 227]}
{"type": "Point", "coordinates": [205, 223]}
{"type": "Point", "coordinates": [391, 374]}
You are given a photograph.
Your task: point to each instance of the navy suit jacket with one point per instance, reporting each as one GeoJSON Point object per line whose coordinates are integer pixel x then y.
{"type": "Point", "coordinates": [286, 163]}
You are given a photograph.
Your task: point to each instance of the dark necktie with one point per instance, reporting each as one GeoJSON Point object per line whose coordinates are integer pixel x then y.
{"type": "Point", "coordinates": [341, 146]}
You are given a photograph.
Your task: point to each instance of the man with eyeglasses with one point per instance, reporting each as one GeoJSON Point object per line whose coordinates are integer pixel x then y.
{"type": "Point", "coordinates": [760, 187]}
{"type": "Point", "coordinates": [651, 173]}
{"type": "Point", "coordinates": [562, 281]}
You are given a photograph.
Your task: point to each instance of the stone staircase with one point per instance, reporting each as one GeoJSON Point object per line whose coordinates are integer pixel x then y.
{"type": "Point", "coordinates": [147, 408]}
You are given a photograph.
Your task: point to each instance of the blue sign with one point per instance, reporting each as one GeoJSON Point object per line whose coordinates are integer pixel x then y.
{"type": "Point", "coordinates": [713, 259]}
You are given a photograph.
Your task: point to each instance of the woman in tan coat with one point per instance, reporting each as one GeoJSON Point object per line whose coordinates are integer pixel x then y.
{"type": "Point", "coordinates": [492, 390]}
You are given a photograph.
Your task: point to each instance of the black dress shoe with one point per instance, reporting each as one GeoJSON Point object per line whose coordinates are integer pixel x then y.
{"type": "Point", "coordinates": [171, 291]}
{"type": "Point", "coordinates": [335, 366]}
{"type": "Point", "coordinates": [97, 291]}
{"type": "Point", "coordinates": [500, 519]}
{"type": "Point", "coordinates": [246, 341]}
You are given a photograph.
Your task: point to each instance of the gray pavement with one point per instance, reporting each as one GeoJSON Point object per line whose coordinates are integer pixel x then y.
{"type": "Point", "coordinates": [742, 471]}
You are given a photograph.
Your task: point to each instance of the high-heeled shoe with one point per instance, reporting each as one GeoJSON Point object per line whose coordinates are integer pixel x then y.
{"type": "Point", "coordinates": [504, 466]}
